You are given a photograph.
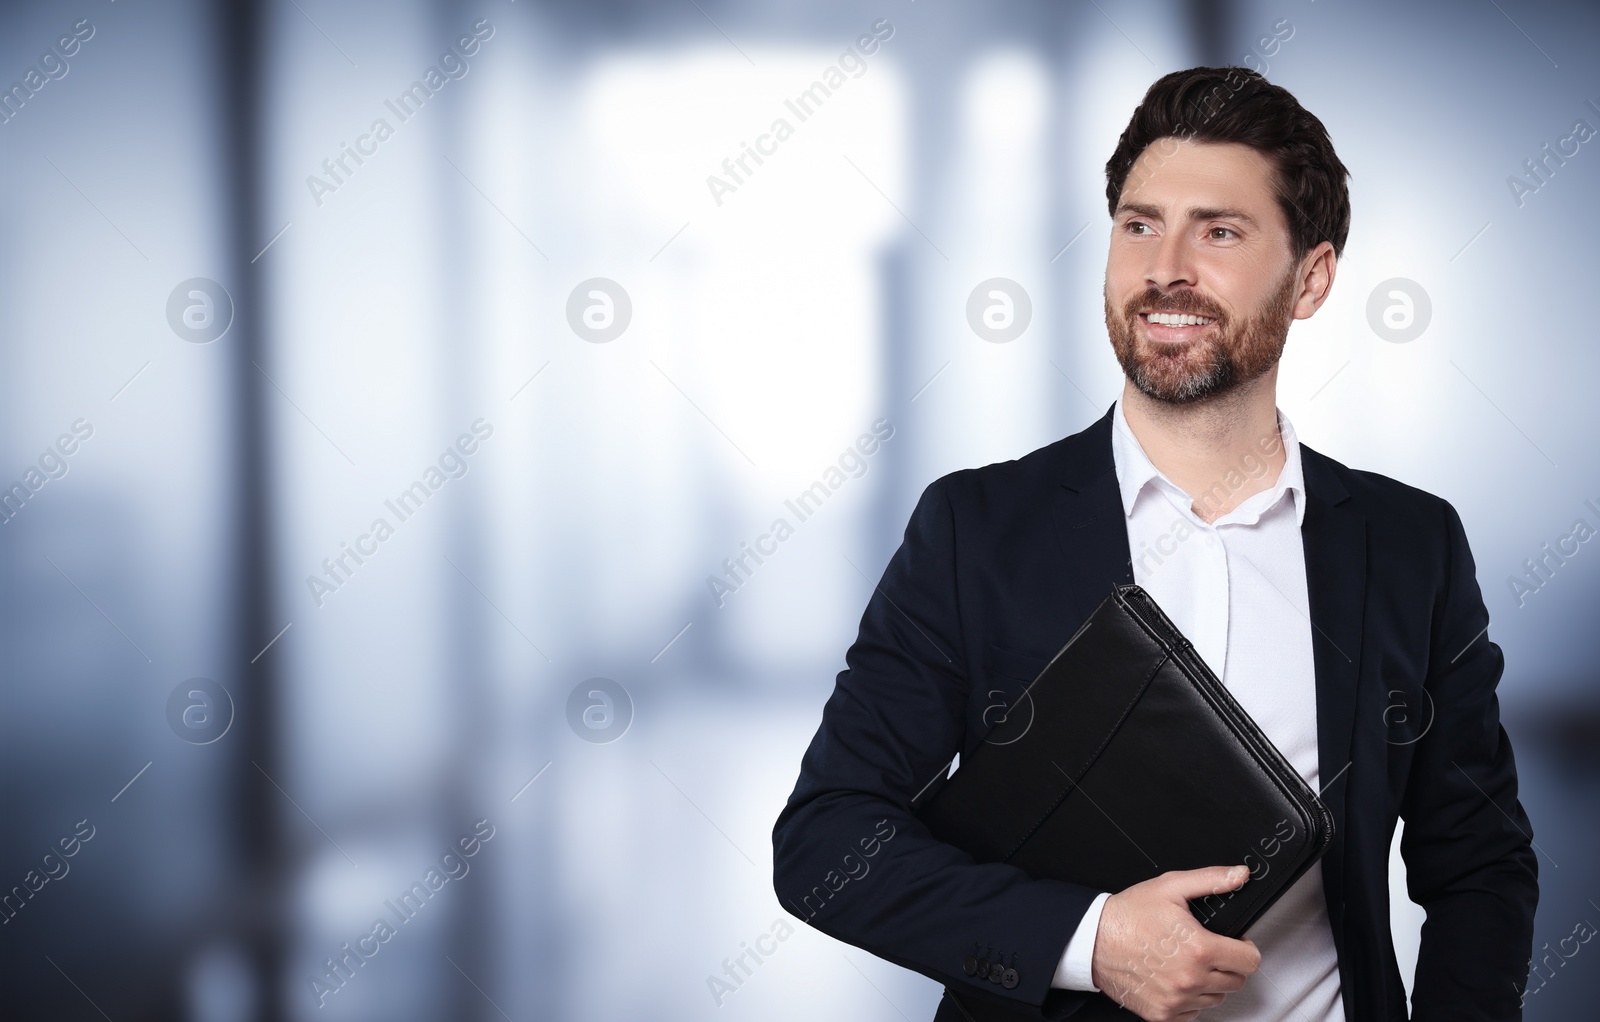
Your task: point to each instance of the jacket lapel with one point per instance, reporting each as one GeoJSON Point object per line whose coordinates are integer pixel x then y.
{"type": "Point", "coordinates": [1334, 535]}
{"type": "Point", "coordinates": [1091, 528]}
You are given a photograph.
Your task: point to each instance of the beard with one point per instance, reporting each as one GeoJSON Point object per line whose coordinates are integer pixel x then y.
{"type": "Point", "coordinates": [1222, 359]}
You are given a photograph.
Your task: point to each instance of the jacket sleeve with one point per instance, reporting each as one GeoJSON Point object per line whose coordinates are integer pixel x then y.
{"type": "Point", "coordinates": [1468, 845]}
{"type": "Point", "coordinates": [849, 856]}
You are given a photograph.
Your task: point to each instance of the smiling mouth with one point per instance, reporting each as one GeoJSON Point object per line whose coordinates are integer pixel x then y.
{"type": "Point", "coordinates": [1176, 319]}
{"type": "Point", "coordinates": [1175, 327]}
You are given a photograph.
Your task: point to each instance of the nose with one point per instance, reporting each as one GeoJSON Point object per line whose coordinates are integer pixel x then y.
{"type": "Point", "coordinates": [1172, 263]}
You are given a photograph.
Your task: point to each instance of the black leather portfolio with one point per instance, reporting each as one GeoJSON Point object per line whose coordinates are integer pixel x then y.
{"type": "Point", "coordinates": [1125, 758]}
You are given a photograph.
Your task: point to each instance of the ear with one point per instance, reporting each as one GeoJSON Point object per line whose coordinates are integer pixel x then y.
{"type": "Point", "coordinates": [1315, 279]}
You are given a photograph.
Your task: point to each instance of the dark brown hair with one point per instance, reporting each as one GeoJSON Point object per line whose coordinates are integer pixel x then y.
{"type": "Point", "coordinates": [1236, 104]}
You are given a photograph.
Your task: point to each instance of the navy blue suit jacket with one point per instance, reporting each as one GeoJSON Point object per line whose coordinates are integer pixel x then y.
{"type": "Point", "coordinates": [999, 567]}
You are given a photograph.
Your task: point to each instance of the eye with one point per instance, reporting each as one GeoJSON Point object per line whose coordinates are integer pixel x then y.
{"type": "Point", "coordinates": [1222, 233]}
{"type": "Point", "coordinates": [1137, 227]}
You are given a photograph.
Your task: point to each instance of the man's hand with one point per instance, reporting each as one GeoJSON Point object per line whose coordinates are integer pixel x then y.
{"type": "Point", "coordinates": [1154, 958]}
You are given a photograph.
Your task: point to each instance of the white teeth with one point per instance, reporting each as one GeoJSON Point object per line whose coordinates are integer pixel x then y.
{"type": "Point", "coordinates": [1177, 319]}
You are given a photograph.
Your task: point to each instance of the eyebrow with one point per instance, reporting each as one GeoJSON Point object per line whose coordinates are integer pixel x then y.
{"type": "Point", "coordinates": [1195, 213]}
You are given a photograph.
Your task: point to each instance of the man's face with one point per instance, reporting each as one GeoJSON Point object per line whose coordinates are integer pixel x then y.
{"type": "Point", "coordinates": [1198, 234]}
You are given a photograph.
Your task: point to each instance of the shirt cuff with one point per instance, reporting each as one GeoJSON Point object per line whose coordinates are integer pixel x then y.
{"type": "Point", "coordinates": [1076, 969]}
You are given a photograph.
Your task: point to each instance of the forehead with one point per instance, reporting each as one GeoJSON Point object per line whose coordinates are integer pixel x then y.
{"type": "Point", "coordinates": [1178, 175]}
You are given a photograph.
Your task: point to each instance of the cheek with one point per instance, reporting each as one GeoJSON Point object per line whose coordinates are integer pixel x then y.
{"type": "Point", "coordinates": [1123, 284]}
{"type": "Point", "coordinates": [1124, 269]}
{"type": "Point", "coordinates": [1234, 294]}
{"type": "Point", "coordinates": [1116, 319]}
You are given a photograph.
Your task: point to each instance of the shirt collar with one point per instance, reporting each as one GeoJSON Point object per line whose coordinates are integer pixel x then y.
{"type": "Point", "coordinates": [1135, 473]}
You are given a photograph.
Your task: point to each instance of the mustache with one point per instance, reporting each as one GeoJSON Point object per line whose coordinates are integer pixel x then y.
{"type": "Point", "coordinates": [1183, 302]}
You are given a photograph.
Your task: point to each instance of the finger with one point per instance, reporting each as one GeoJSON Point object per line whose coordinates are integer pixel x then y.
{"type": "Point", "coordinates": [1220, 982]}
{"type": "Point", "coordinates": [1228, 955]}
{"type": "Point", "coordinates": [1197, 883]}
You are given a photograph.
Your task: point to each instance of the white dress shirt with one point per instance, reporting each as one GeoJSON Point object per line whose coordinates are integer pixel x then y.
{"type": "Point", "coordinates": [1236, 587]}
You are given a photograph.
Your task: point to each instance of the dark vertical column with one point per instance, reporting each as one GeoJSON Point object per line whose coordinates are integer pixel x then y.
{"type": "Point", "coordinates": [1211, 27]}
{"type": "Point", "coordinates": [932, 66]}
{"type": "Point", "coordinates": [1067, 210]}
{"type": "Point", "coordinates": [257, 847]}
{"type": "Point", "coordinates": [459, 337]}
{"type": "Point", "coordinates": [885, 521]}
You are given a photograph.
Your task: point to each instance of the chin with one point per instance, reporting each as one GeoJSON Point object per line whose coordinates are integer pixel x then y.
{"type": "Point", "coordinates": [1186, 391]}
{"type": "Point", "coordinates": [1179, 377]}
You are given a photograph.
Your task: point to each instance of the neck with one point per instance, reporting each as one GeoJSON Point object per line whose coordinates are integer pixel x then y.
{"type": "Point", "coordinates": [1214, 449]}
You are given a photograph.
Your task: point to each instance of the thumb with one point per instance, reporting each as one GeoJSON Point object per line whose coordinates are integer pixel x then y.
{"type": "Point", "coordinates": [1197, 883]}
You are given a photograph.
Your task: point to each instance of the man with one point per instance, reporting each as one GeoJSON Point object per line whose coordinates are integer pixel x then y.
{"type": "Point", "coordinates": [1339, 607]}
